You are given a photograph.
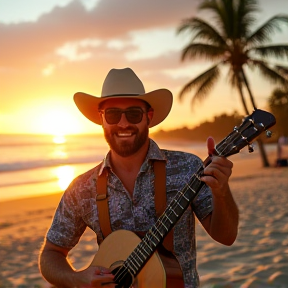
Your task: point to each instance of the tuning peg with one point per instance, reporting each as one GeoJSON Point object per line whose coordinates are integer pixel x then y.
{"type": "Point", "coordinates": [268, 133]}
{"type": "Point", "coordinates": [251, 148]}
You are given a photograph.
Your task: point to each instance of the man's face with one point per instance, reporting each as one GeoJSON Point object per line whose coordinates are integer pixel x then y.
{"type": "Point", "coordinates": [124, 137]}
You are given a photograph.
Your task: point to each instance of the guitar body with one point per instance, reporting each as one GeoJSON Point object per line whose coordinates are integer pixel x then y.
{"type": "Point", "coordinates": [116, 248]}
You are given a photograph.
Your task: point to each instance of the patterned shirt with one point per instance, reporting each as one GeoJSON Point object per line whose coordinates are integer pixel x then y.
{"type": "Point", "coordinates": [77, 208]}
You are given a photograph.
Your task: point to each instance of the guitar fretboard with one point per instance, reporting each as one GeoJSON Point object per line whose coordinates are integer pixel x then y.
{"type": "Point", "coordinates": [164, 224]}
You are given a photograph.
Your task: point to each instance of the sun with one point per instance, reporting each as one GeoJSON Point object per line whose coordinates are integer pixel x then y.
{"type": "Point", "coordinates": [59, 139]}
{"type": "Point", "coordinates": [58, 119]}
{"type": "Point", "coordinates": [58, 122]}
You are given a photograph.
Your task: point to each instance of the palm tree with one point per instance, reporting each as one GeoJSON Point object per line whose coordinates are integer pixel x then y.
{"type": "Point", "coordinates": [230, 42]}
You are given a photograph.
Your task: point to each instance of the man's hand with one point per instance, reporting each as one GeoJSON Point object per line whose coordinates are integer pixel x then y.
{"type": "Point", "coordinates": [217, 173]}
{"type": "Point", "coordinates": [222, 223]}
{"type": "Point", "coordinates": [56, 269]}
{"type": "Point", "coordinates": [94, 277]}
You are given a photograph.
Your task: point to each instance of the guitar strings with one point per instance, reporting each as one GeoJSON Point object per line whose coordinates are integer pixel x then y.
{"type": "Point", "coordinates": [160, 223]}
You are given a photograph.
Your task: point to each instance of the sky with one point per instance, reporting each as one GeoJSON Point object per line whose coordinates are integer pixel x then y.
{"type": "Point", "coordinates": [51, 49]}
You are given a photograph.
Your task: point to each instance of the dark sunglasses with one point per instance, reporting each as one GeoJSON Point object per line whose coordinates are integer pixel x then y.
{"type": "Point", "coordinates": [133, 115]}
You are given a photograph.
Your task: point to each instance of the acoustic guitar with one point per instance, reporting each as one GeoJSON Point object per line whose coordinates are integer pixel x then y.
{"type": "Point", "coordinates": [137, 262]}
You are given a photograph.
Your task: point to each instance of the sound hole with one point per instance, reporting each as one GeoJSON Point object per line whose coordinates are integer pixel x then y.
{"type": "Point", "coordinates": [122, 277]}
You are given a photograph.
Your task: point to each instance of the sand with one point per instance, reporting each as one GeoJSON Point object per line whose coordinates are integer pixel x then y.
{"type": "Point", "coordinates": [258, 258]}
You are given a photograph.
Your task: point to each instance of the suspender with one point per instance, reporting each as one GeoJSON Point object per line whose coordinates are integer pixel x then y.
{"type": "Point", "coordinates": [102, 204]}
{"type": "Point", "coordinates": [159, 198]}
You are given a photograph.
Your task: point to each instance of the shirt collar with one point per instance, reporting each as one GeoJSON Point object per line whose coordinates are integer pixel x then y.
{"type": "Point", "coordinates": [154, 153]}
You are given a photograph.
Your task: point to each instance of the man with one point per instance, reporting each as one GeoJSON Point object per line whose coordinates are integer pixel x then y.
{"type": "Point", "coordinates": [126, 113]}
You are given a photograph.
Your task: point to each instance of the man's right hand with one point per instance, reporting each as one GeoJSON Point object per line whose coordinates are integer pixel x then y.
{"type": "Point", "coordinates": [94, 277]}
{"type": "Point", "coordinates": [56, 269]}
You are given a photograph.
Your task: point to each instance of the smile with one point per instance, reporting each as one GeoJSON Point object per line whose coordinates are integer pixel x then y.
{"type": "Point", "coordinates": [124, 134]}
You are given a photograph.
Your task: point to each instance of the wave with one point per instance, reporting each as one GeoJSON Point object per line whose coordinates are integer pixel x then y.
{"type": "Point", "coordinates": [34, 164]}
{"type": "Point", "coordinates": [29, 182]}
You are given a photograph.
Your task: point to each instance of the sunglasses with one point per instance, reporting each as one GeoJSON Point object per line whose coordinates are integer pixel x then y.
{"type": "Point", "coordinates": [133, 115]}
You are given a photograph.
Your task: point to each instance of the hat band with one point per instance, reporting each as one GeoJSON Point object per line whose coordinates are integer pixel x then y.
{"type": "Point", "coordinates": [126, 94]}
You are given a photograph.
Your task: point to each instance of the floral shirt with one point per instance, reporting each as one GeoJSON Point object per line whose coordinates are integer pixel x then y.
{"type": "Point", "coordinates": [77, 208]}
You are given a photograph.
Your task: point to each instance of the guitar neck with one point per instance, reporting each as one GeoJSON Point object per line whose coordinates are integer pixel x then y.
{"type": "Point", "coordinates": [164, 224]}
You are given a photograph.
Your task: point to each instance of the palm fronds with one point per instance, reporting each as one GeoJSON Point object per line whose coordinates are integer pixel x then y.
{"type": "Point", "coordinates": [200, 50]}
{"type": "Point", "coordinates": [264, 33]}
{"type": "Point", "coordinates": [276, 51]}
{"type": "Point", "coordinates": [201, 30]}
{"type": "Point", "coordinates": [270, 74]}
{"type": "Point", "coordinates": [203, 84]}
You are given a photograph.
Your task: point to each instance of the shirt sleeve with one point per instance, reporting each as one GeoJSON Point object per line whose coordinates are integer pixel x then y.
{"type": "Point", "coordinates": [67, 225]}
{"type": "Point", "coordinates": [203, 205]}
{"type": "Point", "coordinates": [182, 166]}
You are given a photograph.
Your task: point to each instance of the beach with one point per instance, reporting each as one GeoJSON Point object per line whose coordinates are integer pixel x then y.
{"type": "Point", "coordinates": [258, 258]}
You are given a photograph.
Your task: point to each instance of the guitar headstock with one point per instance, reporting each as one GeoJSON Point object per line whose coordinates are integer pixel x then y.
{"type": "Point", "coordinates": [251, 127]}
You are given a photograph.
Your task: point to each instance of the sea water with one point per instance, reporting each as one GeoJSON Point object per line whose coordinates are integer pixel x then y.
{"type": "Point", "coordinates": [33, 165]}
{"type": "Point", "coordinates": [42, 164]}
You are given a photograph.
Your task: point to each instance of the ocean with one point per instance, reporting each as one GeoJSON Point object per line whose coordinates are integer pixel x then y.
{"type": "Point", "coordinates": [33, 165]}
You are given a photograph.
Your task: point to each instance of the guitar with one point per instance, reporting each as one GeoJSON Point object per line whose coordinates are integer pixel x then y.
{"type": "Point", "coordinates": [137, 262]}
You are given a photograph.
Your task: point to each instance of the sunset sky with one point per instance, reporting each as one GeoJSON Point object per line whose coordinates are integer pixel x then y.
{"type": "Point", "coordinates": [50, 49]}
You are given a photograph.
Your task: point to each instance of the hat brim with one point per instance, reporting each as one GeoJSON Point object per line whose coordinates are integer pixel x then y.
{"type": "Point", "coordinates": [160, 100]}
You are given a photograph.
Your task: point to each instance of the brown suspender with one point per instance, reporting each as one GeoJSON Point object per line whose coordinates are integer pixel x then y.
{"type": "Point", "coordinates": [102, 204]}
{"type": "Point", "coordinates": [160, 186]}
{"type": "Point", "coordinates": [159, 198]}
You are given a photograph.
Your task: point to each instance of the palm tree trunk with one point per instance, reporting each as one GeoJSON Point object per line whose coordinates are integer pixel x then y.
{"type": "Point", "coordinates": [263, 154]}
{"type": "Point", "coordinates": [259, 140]}
{"type": "Point", "coordinates": [239, 85]}
{"type": "Point", "coordinates": [249, 90]}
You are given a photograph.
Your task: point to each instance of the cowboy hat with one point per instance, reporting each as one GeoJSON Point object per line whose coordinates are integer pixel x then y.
{"type": "Point", "coordinates": [124, 83]}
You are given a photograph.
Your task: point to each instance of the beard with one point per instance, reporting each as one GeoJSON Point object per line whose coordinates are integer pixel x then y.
{"type": "Point", "coordinates": [126, 148]}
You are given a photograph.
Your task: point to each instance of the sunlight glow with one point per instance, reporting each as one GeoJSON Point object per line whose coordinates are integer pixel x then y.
{"type": "Point", "coordinates": [59, 139]}
{"type": "Point", "coordinates": [58, 122]}
{"type": "Point", "coordinates": [65, 175]}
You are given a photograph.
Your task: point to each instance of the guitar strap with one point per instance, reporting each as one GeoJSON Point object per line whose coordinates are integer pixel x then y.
{"type": "Point", "coordinates": [102, 204]}
{"type": "Point", "coordinates": [159, 198]}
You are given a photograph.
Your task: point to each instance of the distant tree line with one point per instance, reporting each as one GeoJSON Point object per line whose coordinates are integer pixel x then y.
{"type": "Point", "coordinates": [218, 128]}
{"type": "Point", "coordinates": [278, 104]}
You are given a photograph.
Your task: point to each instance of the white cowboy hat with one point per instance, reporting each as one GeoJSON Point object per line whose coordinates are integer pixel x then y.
{"type": "Point", "coordinates": [124, 83]}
